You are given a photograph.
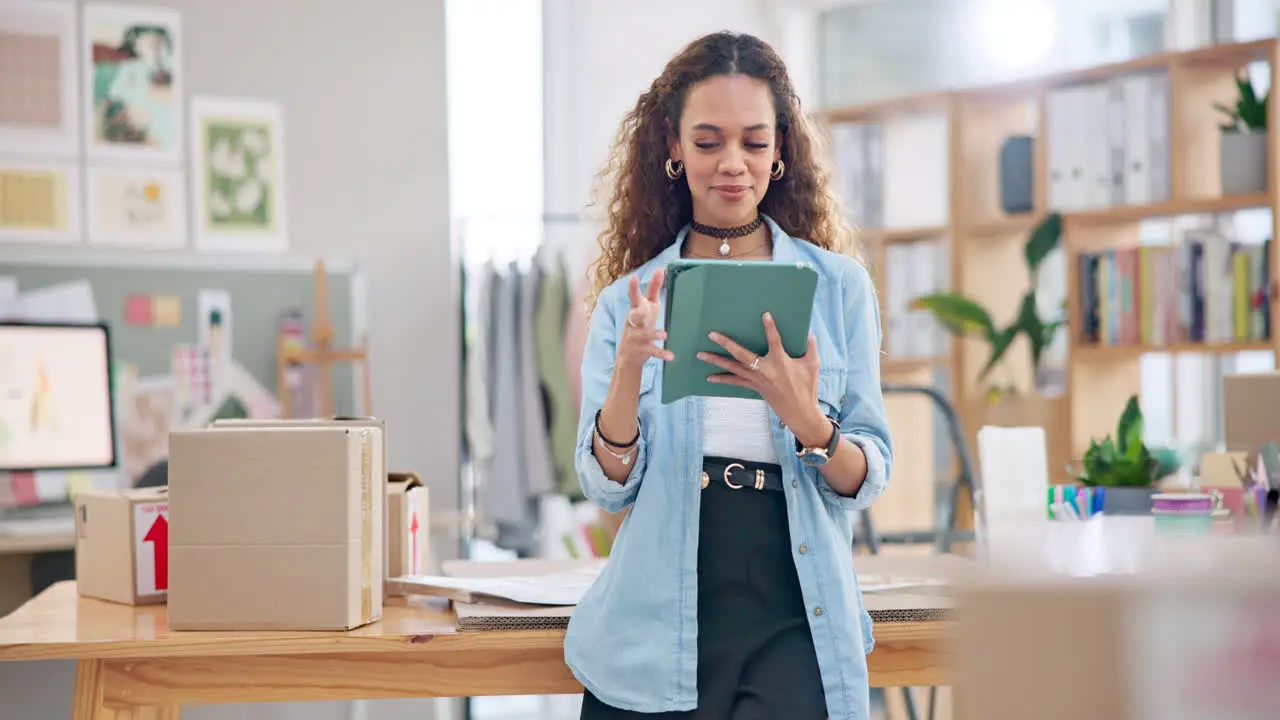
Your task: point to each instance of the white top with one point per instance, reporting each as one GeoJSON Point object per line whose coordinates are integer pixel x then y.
{"type": "Point", "coordinates": [737, 428]}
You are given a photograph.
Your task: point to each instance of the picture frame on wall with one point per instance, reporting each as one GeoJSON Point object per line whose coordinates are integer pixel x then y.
{"type": "Point", "coordinates": [39, 202]}
{"type": "Point", "coordinates": [38, 85]}
{"type": "Point", "coordinates": [238, 175]}
{"type": "Point", "coordinates": [138, 207]}
{"type": "Point", "coordinates": [132, 84]}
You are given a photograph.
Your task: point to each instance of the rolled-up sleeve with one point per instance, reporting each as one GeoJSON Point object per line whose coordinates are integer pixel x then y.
{"type": "Point", "coordinates": [597, 374]}
{"type": "Point", "coordinates": [862, 416]}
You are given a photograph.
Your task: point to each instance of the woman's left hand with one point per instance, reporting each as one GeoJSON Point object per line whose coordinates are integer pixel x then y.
{"type": "Point", "coordinates": [789, 385]}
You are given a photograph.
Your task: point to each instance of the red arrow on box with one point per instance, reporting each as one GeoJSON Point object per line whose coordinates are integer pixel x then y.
{"type": "Point", "coordinates": [158, 536]}
{"type": "Point", "coordinates": [413, 538]}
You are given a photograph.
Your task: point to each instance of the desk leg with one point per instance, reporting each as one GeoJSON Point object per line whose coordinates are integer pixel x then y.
{"type": "Point", "coordinates": [88, 703]}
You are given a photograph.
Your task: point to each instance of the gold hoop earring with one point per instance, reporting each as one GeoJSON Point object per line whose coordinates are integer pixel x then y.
{"type": "Point", "coordinates": [675, 168]}
{"type": "Point", "coordinates": [777, 170]}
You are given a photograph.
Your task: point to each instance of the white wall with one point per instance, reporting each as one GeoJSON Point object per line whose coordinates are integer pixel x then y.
{"type": "Point", "coordinates": [363, 91]}
{"type": "Point", "coordinates": [599, 57]}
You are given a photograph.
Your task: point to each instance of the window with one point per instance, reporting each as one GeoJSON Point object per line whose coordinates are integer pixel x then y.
{"type": "Point", "coordinates": [495, 126]}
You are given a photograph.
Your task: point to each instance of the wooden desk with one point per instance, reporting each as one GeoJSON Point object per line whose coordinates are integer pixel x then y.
{"type": "Point", "coordinates": [27, 544]}
{"type": "Point", "coordinates": [129, 665]}
{"type": "Point", "coordinates": [16, 553]}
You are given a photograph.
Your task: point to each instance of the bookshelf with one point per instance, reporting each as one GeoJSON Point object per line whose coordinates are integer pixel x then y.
{"type": "Point", "coordinates": [1178, 133]}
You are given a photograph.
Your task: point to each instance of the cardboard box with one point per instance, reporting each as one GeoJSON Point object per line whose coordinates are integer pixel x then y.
{"type": "Point", "coordinates": [122, 545]}
{"type": "Point", "coordinates": [1188, 641]}
{"type": "Point", "coordinates": [407, 513]}
{"type": "Point", "coordinates": [1249, 403]}
{"type": "Point", "coordinates": [379, 426]}
{"type": "Point", "coordinates": [369, 422]}
{"type": "Point", "coordinates": [276, 528]}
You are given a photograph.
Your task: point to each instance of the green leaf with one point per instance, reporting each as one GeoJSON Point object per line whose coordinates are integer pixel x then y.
{"type": "Point", "coordinates": [1000, 345]}
{"type": "Point", "coordinates": [1044, 240]}
{"type": "Point", "coordinates": [1245, 85]}
{"type": "Point", "coordinates": [1249, 112]}
{"type": "Point", "coordinates": [1129, 429]}
{"type": "Point", "coordinates": [1050, 330]}
{"type": "Point", "coordinates": [1029, 324]}
{"type": "Point", "coordinates": [957, 313]}
{"type": "Point", "coordinates": [1167, 461]}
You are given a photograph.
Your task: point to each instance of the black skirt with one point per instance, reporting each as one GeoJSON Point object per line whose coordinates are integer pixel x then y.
{"type": "Point", "coordinates": [756, 659]}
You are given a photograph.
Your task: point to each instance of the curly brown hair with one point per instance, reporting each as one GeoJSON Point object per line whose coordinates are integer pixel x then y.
{"type": "Point", "coordinates": [646, 209]}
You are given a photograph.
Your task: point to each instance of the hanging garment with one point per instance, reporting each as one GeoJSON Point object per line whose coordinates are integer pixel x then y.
{"type": "Point", "coordinates": [539, 477]}
{"type": "Point", "coordinates": [562, 415]}
{"type": "Point", "coordinates": [479, 417]}
{"type": "Point", "coordinates": [503, 495]}
{"type": "Point", "coordinates": [577, 326]}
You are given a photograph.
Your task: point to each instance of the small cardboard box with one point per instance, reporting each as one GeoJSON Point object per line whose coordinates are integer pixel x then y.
{"type": "Point", "coordinates": [1182, 642]}
{"type": "Point", "coordinates": [1249, 402]}
{"type": "Point", "coordinates": [407, 533]}
{"type": "Point", "coordinates": [276, 528]}
{"type": "Point", "coordinates": [122, 545]}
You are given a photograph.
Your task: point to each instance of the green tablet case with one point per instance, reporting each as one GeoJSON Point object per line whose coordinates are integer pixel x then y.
{"type": "Point", "coordinates": [731, 297]}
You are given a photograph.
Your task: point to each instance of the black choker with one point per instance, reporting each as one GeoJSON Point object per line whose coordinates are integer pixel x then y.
{"type": "Point", "coordinates": [726, 234]}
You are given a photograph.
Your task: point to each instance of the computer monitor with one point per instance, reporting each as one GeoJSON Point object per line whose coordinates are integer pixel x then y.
{"type": "Point", "coordinates": [55, 397]}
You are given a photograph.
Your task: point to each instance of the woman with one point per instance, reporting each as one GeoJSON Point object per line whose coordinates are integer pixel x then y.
{"type": "Point", "coordinates": [730, 592]}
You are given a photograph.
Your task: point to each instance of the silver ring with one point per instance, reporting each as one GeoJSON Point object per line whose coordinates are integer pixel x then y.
{"type": "Point", "coordinates": [755, 364]}
{"type": "Point", "coordinates": [632, 323]}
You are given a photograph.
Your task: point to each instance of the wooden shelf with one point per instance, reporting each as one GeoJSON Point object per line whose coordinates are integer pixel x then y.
{"type": "Point", "coordinates": [1102, 353]}
{"type": "Point", "coordinates": [925, 104]}
{"type": "Point", "coordinates": [891, 236]}
{"type": "Point", "coordinates": [911, 366]}
{"type": "Point", "coordinates": [1008, 225]}
{"type": "Point", "coordinates": [1023, 224]}
{"type": "Point", "coordinates": [984, 245]}
{"type": "Point", "coordinates": [1174, 208]}
{"type": "Point", "coordinates": [1229, 55]}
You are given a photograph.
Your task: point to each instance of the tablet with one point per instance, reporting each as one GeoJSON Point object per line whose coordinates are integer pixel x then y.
{"type": "Point", "coordinates": [731, 297]}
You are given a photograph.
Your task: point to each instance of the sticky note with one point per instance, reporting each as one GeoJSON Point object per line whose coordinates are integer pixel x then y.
{"type": "Point", "coordinates": [24, 488]}
{"type": "Point", "coordinates": [137, 310]}
{"type": "Point", "coordinates": [77, 481]}
{"type": "Point", "coordinates": [166, 310]}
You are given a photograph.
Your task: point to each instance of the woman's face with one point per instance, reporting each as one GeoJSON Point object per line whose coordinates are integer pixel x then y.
{"type": "Point", "coordinates": [728, 144]}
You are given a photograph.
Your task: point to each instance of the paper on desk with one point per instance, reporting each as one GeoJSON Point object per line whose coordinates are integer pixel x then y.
{"type": "Point", "coordinates": [879, 583]}
{"type": "Point", "coordinates": [555, 589]}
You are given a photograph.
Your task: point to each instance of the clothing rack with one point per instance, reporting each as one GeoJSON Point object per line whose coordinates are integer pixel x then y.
{"type": "Point", "coordinates": [486, 240]}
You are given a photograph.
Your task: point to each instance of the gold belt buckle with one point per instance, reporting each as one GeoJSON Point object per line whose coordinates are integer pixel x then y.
{"type": "Point", "coordinates": [759, 479]}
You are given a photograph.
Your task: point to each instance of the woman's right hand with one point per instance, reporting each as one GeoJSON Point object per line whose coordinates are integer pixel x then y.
{"type": "Point", "coordinates": [640, 337]}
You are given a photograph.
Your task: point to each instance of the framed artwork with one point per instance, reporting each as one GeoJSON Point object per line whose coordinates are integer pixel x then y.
{"type": "Point", "coordinates": [38, 113]}
{"type": "Point", "coordinates": [237, 175]}
{"type": "Point", "coordinates": [39, 203]}
{"type": "Point", "coordinates": [140, 207]}
{"type": "Point", "coordinates": [132, 83]}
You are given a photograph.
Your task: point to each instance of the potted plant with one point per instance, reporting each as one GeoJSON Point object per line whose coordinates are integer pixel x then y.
{"type": "Point", "coordinates": [965, 317]}
{"type": "Point", "coordinates": [1003, 403]}
{"type": "Point", "coordinates": [1243, 149]}
{"type": "Point", "coordinates": [1125, 467]}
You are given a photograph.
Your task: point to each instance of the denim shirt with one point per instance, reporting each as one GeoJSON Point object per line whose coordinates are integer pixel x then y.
{"type": "Point", "coordinates": [632, 640]}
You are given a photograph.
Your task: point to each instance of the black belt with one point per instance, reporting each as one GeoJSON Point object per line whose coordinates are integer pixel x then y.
{"type": "Point", "coordinates": [741, 474]}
